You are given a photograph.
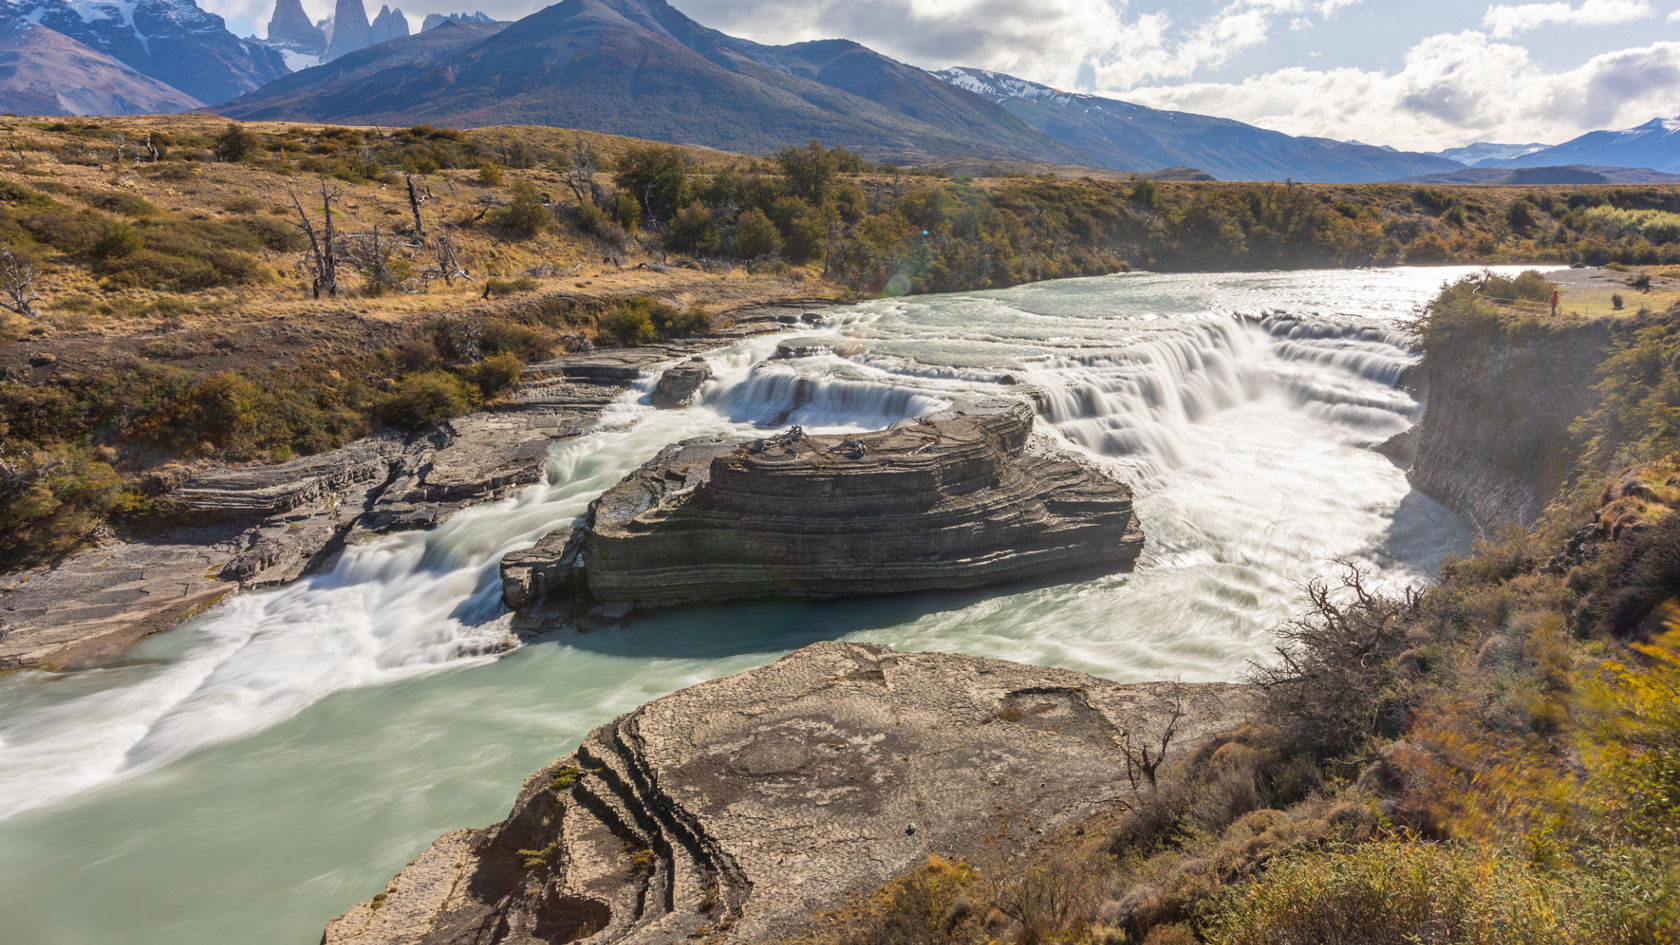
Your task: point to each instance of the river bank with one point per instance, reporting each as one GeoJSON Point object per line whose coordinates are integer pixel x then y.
{"type": "Point", "coordinates": [253, 526]}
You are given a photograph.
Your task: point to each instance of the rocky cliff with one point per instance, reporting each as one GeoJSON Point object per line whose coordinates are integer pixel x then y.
{"type": "Point", "coordinates": [960, 499]}
{"type": "Point", "coordinates": [1494, 443]}
{"type": "Point", "coordinates": [291, 27]}
{"type": "Point", "coordinates": [739, 809]}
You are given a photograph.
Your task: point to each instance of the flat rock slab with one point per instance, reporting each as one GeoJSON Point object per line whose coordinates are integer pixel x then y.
{"type": "Point", "coordinates": [738, 809]}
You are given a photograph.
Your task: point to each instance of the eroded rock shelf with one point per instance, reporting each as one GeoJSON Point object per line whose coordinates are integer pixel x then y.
{"type": "Point", "coordinates": [960, 499]}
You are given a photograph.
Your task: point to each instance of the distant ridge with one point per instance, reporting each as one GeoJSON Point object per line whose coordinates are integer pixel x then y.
{"type": "Point", "coordinates": [1570, 174]}
{"type": "Point", "coordinates": [1655, 145]}
{"type": "Point", "coordinates": [1122, 135]}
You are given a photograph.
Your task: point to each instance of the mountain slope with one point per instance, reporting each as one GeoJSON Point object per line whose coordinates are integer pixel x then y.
{"type": "Point", "coordinates": [1474, 154]}
{"type": "Point", "coordinates": [172, 41]}
{"type": "Point", "coordinates": [640, 68]}
{"type": "Point", "coordinates": [1655, 144]}
{"type": "Point", "coordinates": [1132, 137]}
{"type": "Point", "coordinates": [44, 72]}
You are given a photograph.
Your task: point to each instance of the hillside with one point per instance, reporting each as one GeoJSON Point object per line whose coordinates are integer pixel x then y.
{"type": "Point", "coordinates": [639, 67]}
{"type": "Point", "coordinates": [44, 72]}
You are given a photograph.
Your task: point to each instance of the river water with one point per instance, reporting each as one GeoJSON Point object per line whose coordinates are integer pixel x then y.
{"type": "Point", "coordinates": [248, 776]}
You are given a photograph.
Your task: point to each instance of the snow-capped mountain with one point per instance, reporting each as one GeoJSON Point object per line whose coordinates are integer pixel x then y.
{"type": "Point", "coordinates": [1125, 136]}
{"type": "Point", "coordinates": [1655, 144]}
{"type": "Point", "coordinates": [173, 41]}
{"type": "Point", "coordinates": [1472, 155]}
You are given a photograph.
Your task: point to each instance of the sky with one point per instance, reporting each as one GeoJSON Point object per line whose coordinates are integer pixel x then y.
{"type": "Point", "coordinates": [1412, 74]}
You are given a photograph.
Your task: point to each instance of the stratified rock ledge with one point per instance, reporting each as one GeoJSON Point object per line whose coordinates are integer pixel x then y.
{"type": "Point", "coordinates": [956, 500]}
{"type": "Point", "coordinates": [739, 809]}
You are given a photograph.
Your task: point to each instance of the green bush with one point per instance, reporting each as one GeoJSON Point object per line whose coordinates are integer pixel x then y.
{"type": "Point", "coordinates": [424, 399]}
{"type": "Point", "coordinates": [755, 236]}
{"type": "Point", "coordinates": [526, 216]}
{"type": "Point", "coordinates": [496, 374]}
{"type": "Point", "coordinates": [628, 324]}
{"type": "Point", "coordinates": [124, 203]}
{"type": "Point", "coordinates": [51, 501]}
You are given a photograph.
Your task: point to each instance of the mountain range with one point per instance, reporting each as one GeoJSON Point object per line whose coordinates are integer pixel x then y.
{"type": "Point", "coordinates": [643, 69]}
{"type": "Point", "coordinates": [1655, 144]}
{"type": "Point", "coordinates": [1133, 137]}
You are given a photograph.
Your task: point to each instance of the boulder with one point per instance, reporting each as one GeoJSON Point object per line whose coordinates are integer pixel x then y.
{"type": "Point", "coordinates": [740, 809]}
{"type": "Point", "coordinates": [677, 386]}
{"type": "Point", "coordinates": [542, 571]}
{"type": "Point", "coordinates": [960, 499]}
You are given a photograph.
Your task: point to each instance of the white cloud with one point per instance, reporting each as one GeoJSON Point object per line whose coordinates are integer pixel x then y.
{"type": "Point", "coordinates": [1506, 20]}
{"type": "Point", "coordinates": [1052, 41]}
{"type": "Point", "coordinates": [1674, 17]}
{"type": "Point", "coordinates": [1452, 89]}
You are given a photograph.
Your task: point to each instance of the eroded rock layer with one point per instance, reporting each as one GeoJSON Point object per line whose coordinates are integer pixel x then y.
{"type": "Point", "coordinates": [739, 809]}
{"type": "Point", "coordinates": [960, 499]}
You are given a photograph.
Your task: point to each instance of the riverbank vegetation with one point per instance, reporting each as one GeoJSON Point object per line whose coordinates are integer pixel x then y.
{"type": "Point", "coordinates": [1494, 760]}
{"type": "Point", "coordinates": [184, 290]}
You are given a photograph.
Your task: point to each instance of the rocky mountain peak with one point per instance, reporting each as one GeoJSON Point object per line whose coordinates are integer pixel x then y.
{"type": "Point", "coordinates": [291, 27]}
{"type": "Point", "coordinates": [389, 24]}
{"type": "Point", "coordinates": [351, 30]}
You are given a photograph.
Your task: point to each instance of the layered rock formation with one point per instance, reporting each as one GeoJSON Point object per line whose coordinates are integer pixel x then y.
{"type": "Point", "coordinates": [677, 386]}
{"type": "Point", "coordinates": [740, 808]}
{"type": "Point", "coordinates": [959, 499]}
{"type": "Point", "coordinates": [1494, 442]}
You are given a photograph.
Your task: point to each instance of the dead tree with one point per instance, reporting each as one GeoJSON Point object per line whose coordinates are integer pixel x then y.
{"type": "Point", "coordinates": [323, 247]}
{"type": "Point", "coordinates": [448, 266]}
{"type": "Point", "coordinates": [17, 282]}
{"type": "Point", "coordinates": [414, 201]}
{"type": "Point", "coordinates": [1143, 755]}
{"type": "Point", "coordinates": [580, 172]}
{"type": "Point", "coordinates": [374, 255]}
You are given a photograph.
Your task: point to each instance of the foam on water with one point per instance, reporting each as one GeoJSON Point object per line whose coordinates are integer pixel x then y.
{"type": "Point", "coordinates": [1241, 408]}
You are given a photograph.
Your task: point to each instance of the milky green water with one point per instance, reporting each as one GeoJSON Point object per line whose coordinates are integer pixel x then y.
{"type": "Point", "coordinates": [252, 774]}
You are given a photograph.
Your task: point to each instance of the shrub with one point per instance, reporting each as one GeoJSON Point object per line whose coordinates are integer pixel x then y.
{"type": "Point", "coordinates": [421, 400]}
{"type": "Point", "coordinates": [489, 174]}
{"type": "Point", "coordinates": [117, 241]}
{"type": "Point", "coordinates": [496, 374]}
{"type": "Point", "coordinates": [526, 215]}
{"type": "Point", "coordinates": [1403, 893]}
{"type": "Point", "coordinates": [236, 144]}
{"type": "Point", "coordinates": [628, 324]}
{"type": "Point", "coordinates": [126, 204]}
{"type": "Point", "coordinates": [51, 502]}
{"type": "Point", "coordinates": [1332, 687]}
{"type": "Point", "coordinates": [755, 236]}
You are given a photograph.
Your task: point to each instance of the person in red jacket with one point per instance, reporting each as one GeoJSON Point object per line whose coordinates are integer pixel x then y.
{"type": "Point", "coordinates": [1554, 301]}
